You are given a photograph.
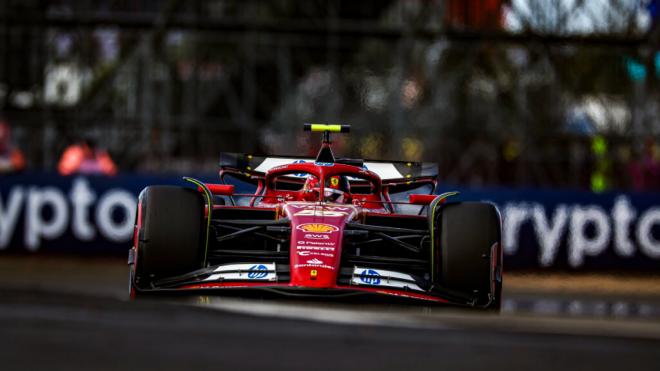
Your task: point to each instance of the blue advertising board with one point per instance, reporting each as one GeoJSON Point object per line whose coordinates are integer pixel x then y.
{"type": "Point", "coordinates": [542, 229]}
{"type": "Point", "coordinates": [73, 214]}
{"type": "Point", "coordinates": [572, 230]}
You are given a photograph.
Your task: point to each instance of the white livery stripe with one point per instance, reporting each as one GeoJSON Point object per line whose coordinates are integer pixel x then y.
{"type": "Point", "coordinates": [244, 271]}
{"type": "Point", "coordinates": [271, 162]}
{"type": "Point", "coordinates": [379, 277]}
{"type": "Point", "coordinates": [385, 171]}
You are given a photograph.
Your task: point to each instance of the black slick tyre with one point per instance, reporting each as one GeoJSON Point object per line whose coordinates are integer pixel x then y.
{"type": "Point", "coordinates": [171, 238]}
{"type": "Point", "coordinates": [468, 242]}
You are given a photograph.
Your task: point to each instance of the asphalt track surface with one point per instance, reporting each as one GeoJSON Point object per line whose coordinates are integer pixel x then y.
{"type": "Point", "coordinates": [63, 315]}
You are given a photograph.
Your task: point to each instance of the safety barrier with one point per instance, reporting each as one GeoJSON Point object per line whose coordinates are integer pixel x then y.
{"type": "Point", "coordinates": [75, 214]}
{"type": "Point", "coordinates": [44, 212]}
{"type": "Point", "coordinates": [573, 230]}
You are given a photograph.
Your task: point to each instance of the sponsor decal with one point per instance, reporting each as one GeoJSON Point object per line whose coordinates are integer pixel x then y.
{"type": "Point", "coordinates": [324, 164]}
{"type": "Point", "coordinates": [317, 228]}
{"type": "Point", "coordinates": [316, 248]}
{"type": "Point", "coordinates": [320, 212]}
{"type": "Point", "coordinates": [274, 168]}
{"type": "Point", "coordinates": [300, 175]}
{"type": "Point", "coordinates": [314, 261]}
{"type": "Point", "coordinates": [257, 271]}
{"type": "Point", "coordinates": [312, 207]}
{"type": "Point", "coordinates": [244, 271]}
{"type": "Point", "coordinates": [370, 277]}
{"type": "Point", "coordinates": [76, 209]}
{"type": "Point", "coordinates": [330, 211]}
{"type": "Point", "coordinates": [317, 243]}
{"type": "Point", "coordinates": [334, 181]}
{"type": "Point", "coordinates": [308, 253]}
{"type": "Point", "coordinates": [317, 236]}
{"type": "Point", "coordinates": [295, 206]}
{"type": "Point", "coordinates": [584, 231]}
{"type": "Point", "coordinates": [379, 277]}
{"type": "Point", "coordinates": [315, 266]}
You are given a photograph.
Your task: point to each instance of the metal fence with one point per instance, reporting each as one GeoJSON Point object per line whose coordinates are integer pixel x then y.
{"type": "Point", "coordinates": [518, 92]}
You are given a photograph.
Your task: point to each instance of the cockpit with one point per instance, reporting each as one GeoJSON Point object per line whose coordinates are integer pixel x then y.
{"type": "Point", "coordinates": [334, 188]}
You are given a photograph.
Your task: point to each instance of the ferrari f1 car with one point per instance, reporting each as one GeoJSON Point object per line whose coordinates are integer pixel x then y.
{"type": "Point", "coordinates": [324, 226]}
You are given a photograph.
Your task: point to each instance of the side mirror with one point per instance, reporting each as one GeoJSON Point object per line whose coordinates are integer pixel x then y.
{"type": "Point", "coordinates": [219, 189]}
{"type": "Point", "coordinates": [421, 199]}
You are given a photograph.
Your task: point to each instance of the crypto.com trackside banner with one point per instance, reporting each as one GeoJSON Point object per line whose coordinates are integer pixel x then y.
{"type": "Point", "coordinates": [541, 229]}
{"type": "Point", "coordinates": [77, 214]}
{"type": "Point", "coordinates": [577, 230]}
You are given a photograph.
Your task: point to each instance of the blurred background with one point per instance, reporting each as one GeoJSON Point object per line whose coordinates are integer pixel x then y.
{"type": "Point", "coordinates": [550, 103]}
{"type": "Point", "coordinates": [547, 93]}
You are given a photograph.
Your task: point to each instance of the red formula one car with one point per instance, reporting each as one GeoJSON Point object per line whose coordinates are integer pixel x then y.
{"type": "Point", "coordinates": [324, 226]}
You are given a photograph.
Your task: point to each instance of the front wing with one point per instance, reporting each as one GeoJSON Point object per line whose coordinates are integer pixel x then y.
{"type": "Point", "coordinates": [273, 277]}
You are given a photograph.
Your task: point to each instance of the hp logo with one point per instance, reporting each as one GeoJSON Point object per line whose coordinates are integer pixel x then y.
{"type": "Point", "coordinates": [370, 277]}
{"type": "Point", "coordinates": [257, 271]}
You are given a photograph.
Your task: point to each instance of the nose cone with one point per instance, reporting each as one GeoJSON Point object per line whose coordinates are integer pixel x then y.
{"type": "Point", "coordinates": [316, 242]}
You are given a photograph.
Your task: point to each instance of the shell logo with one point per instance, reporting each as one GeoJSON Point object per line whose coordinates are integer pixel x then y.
{"type": "Point", "coordinates": [317, 228]}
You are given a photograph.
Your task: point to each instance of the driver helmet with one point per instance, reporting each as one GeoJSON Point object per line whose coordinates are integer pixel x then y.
{"type": "Point", "coordinates": [339, 182]}
{"type": "Point", "coordinates": [335, 189]}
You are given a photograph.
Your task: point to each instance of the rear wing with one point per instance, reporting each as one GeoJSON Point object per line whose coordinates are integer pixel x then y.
{"type": "Point", "coordinates": [388, 171]}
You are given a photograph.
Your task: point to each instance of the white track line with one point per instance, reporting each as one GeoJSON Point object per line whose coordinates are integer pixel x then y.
{"type": "Point", "coordinates": [314, 313]}
{"type": "Point", "coordinates": [438, 320]}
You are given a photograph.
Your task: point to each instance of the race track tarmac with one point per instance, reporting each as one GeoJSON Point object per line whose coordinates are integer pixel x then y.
{"type": "Point", "coordinates": [72, 315]}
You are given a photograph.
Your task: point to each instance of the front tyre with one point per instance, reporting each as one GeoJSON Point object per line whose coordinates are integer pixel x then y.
{"type": "Point", "coordinates": [468, 247]}
{"type": "Point", "coordinates": [170, 235]}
